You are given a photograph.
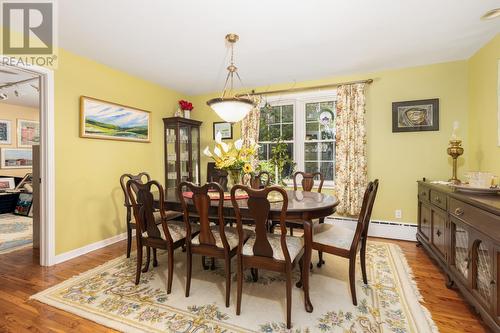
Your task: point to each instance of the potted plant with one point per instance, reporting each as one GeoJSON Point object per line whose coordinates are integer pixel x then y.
{"type": "Point", "coordinates": [186, 107]}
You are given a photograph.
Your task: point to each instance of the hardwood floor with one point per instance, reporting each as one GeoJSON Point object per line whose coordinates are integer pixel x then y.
{"type": "Point", "coordinates": [21, 277]}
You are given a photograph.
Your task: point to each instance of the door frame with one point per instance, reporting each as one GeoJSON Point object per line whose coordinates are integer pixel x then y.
{"type": "Point", "coordinates": [47, 159]}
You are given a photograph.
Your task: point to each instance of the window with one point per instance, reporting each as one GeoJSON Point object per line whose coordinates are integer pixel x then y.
{"type": "Point", "coordinates": [306, 123]}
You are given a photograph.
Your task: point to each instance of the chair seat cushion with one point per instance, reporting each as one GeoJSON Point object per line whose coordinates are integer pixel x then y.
{"type": "Point", "coordinates": [333, 235]}
{"type": "Point", "coordinates": [169, 214]}
{"type": "Point", "coordinates": [177, 230]}
{"type": "Point", "coordinates": [231, 237]}
{"type": "Point", "coordinates": [294, 245]}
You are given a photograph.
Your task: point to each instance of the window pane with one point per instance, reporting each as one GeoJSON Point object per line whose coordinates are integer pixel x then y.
{"type": "Point", "coordinates": [311, 151]}
{"type": "Point", "coordinates": [263, 149]}
{"type": "Point", "coordinates": [312, 111]}
{"type": "Point", "coordinates": [327, 170]}
{"type": "Point", "coordinates": [263, 131]}
{"type": "Point", "coordinates": [312, 131]}
{"type": "Point", "coordinates": [327, 121]}
{"type": "Point", "coordinates": [327, 151]}
{"type": "Point", "coordinates": [287, 111]}
{"type": "Point", "coordinates": [274, 116]}
{"type": "Point", "coordinates": [311, 167]}
{"type": "Point", "coordinates": [288, 169]}
{"type": "Point", "coordinates": [287, 132]}
{"type": "Point", "coordinates": [274, 132]}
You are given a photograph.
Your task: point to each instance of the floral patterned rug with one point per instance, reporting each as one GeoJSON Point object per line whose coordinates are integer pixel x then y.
{"type": "Point", "coordinates": [16, 232]}
{"type": "Point", "coordinates": [107, 295]}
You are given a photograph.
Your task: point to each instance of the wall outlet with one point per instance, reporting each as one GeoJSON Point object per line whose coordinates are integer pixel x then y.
{"type": "Point", "coordinates": [398, 213]}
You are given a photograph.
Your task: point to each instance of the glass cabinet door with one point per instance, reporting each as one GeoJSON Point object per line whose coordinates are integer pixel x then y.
{"type": "Point", "coordinates": [482, 271]}
{"type": "Point", "coordinates": [460, 250]}
{"type": "Point", "coordinates": [171, 159]}
{"type": "Point", "coordinates": [195, 159]}
{"type": "Point", "coordinates": [184, 153]}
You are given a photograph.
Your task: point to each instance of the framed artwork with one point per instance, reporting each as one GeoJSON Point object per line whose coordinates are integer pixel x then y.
{"type": "Point", "coordinates": [5, 132]}
{"type": "Point", "coordinates": [226, 129]}
{"type": "Point", "coordinates": [106, 120]}
{"type": "Point", "coordinates": [415, 116]}
{"type": "Point", "coordinates": [24, 203]}
{"type": "Point", "coordinates": [15, 158]}
{"type": "Point", "coordinates": [7, 183]}
{"type": "Point", "coordinates": [498, 101]}
{"type": "Point", "coordinates": [28, 133]}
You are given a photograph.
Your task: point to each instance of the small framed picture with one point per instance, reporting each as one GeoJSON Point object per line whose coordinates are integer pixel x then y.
{"type": "Point", "coordinates": [415, 116]}
{"type": "Point", "coordinates": [7, 183]}
{"type": "Point", "coordinates": [226, 129]}
{"type": "Point", "coordinates": [24, 203]}
{"type": "Point", "coordinates": [14, 158]}
{"type": "Point", "coordinates": [5, 132]}
{"type": "Point", "coordinates": [28, 133]}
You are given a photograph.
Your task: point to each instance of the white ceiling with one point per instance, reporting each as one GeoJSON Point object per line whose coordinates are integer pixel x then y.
{"type": "Point", "coordinates": [180, 43]}
{"type": "Point", "coordinates": [27, 95]}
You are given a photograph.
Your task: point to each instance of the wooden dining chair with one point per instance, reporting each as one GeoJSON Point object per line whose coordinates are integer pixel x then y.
{"type": "Point", "coordinates": [216, 175]}
{"type": "Point", "coordinates": [345, 242]}
{"type": "Point", "coordinates": [168, 235]}
{"type": "Point", "coordinates": [215, 241]}
{"type": "Point", "coordinates": [142, 178]}
{"type": "Point", "coordinates": [265, 250]}
{"type": "Point", "coordinates": [260, 180]}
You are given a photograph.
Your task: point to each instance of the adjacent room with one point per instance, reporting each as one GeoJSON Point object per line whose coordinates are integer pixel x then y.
{"type": "Point", "coordinates": [226, 166]}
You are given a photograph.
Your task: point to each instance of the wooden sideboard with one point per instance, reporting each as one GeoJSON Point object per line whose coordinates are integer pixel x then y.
{"type": "Point", "coordinates": [462, 233]}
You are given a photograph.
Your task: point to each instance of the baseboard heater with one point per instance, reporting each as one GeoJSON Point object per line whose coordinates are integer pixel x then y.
{"type": "Point", "coordinates": [382, 229]}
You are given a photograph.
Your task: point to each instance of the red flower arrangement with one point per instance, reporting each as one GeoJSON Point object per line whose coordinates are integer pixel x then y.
{"type": "Point", "coordinates": [185, 105]}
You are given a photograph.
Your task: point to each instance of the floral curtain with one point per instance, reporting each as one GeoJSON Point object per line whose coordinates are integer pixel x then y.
{"type": "Point", "coordinates": [350, 154]}
{"type": "Point", "coordinates": [250, 125]}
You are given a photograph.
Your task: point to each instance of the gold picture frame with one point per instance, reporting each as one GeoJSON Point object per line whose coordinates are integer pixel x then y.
{"type": "Point", "coordinates": [100, 119]}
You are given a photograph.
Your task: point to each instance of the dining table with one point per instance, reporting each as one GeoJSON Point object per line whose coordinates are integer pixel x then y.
{"type": "Point", "coordinates": [303, 208]}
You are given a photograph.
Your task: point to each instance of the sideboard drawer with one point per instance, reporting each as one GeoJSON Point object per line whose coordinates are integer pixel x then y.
{"type": "Point", "coordinates": [438, 199]}
{"type": "Point", "coordinates": [423, 193]}
{"type": "Point", "coordinates": [477, 216]}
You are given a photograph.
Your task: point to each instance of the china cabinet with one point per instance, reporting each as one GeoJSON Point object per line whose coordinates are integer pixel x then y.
{"type": "Point", "coordinates": [182, 151]}
{"type": "Point", "coordinates": [462, 233]}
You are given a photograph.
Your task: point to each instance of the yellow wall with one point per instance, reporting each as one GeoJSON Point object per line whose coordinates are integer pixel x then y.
{"type": "Point", "coordinates": [89, 201]}
{"type": "Point", "coordinates": [397, 159]}
{"type": "Point", "coordinates": [483, 107]}
{"type": "Point", "coordinates": [13, 113]}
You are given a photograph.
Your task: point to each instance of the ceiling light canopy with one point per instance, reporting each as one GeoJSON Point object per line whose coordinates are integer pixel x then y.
{"type": "Point", "coordinates": [494, 13]}
{"type": "Point", "coordinates": [231, 107]}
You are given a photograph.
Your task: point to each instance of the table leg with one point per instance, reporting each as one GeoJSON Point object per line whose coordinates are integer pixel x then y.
{"type": "Point", "coordinates": [307, 262]}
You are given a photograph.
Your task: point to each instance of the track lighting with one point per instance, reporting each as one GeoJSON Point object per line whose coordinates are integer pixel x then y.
{"type": "Point", "coordinates": [3, 96]}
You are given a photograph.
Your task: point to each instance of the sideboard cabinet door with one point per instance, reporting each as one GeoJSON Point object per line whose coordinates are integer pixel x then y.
{"type": "Point", "coordinates": [424, 220]}
{"type": "Point", "coordinates": [482, 270]}
{"type": "Point", "coordinates": [460, 250]}
{"type": "Point", "coordinates": [438, 218]}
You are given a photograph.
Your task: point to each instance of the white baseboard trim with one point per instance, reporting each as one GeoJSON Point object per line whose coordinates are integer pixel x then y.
{"type": "Point", "coordinates": [382, 229]}
{"type": "Point", "coordinates": [89, 248]}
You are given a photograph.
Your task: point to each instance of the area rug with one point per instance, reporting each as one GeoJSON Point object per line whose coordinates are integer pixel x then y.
{"type": "Point", "coordinates": [107, 295]}
{"type": "Point", "coordinates": [16, 232]}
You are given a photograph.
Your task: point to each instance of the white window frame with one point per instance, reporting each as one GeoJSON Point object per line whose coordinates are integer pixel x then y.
{"type": "Point", "coordinates": [299, 101]}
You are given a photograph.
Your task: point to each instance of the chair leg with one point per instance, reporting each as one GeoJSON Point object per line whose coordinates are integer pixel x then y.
{"type": "Point", "coordinates": [352, 279]}
{"type": "Point", "coordinates": [240, 286]}
{"type": "Point", "coordinates": [129, 240]}
{"type": "Point", "coordinates": [288, 299]}
{"type": "Point", "coordinates": [227, 268]}
{"type": "Point", "coordinates": [155, 260]}
{"type": "Point", "coordinates": [203, 263]}
{"type": "Point", "coordinates": [321, 262]}
{"type": "Point", "coordinates": [301, 267]}
{"type": "Point", "coordinates": [363, 260]}
{"type": "Point", "coordinates": [291, 231]}
{"type": "Point", "coordinates": [255, 274]}
{"type": "Point", "coordinates": [212, 266]}
{"type": "Point", "coordinates": [189, 269]}
{"type": "Point", "coordinates": [148, 258]}
{"type": "Point", "coordinates": [139, 263]}
{"type": "Point", "coordinates": [170, 269]}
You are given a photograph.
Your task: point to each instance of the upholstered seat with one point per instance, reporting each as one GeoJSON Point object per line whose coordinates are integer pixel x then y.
{"type": "Point", "coordinates": [294, 245]}
{"type": "Point", "coordinates": [231, 237]}
{"type": "Point", "coordinates": [333, 235]}
{"type": "Point", "coordinates": [169, 214]}
{"type": "Point", "coordinates": [177, 230]}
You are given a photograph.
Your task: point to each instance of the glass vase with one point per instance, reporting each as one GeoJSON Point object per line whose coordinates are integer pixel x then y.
{"type": "Point", "coordinates": [234, 177]}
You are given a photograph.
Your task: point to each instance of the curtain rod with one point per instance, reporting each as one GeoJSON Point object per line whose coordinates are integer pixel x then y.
{"type": "Point", "coordinates": [18, 82]}
{"type": "Point", "coordinates": [333, 85]}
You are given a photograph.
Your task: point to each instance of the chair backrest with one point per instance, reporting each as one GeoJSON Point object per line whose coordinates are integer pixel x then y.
{"type": "Point", "coordinates": [260, 180]}
{"type": "Point", "coordinates": [258, 209]}
{"type": "Point", "coordinates": [142, 201]}
{"type": "Point", "coordinates": [308, 181]}
{"type": "Point", "coordinates": [139, 178]}
{"type": "Point", "coordinates": [365, 214]}
{"type": "Point", "coordinates": [216, 175]}
{"type": "Point", "coordinates": [202, 202]}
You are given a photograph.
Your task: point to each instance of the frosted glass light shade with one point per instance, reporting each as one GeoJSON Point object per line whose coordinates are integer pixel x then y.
{"type": "Point", "coordinates": [231, 110]}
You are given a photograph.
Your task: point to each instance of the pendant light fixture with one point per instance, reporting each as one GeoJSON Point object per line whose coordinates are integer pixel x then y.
{"type": "Point", "coordinates": [230, 107]}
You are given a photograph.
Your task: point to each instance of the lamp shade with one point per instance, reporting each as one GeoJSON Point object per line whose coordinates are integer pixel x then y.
{"type": "Point", "coordinates": [231, 110]}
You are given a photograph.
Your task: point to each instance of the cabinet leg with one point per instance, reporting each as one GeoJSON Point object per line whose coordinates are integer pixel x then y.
{"type": "Point", "coordinates": [419, 244]}
{"type": "Point", "coordinates": [449, 282]}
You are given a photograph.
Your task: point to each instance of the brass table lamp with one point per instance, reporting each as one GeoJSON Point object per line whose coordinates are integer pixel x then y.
{"type": "Point", "coordinates": [455, 150]}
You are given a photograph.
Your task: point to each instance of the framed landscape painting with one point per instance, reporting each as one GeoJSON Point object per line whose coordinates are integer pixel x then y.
{"type": "Point", "coordinates": [106, 120]}
{"type": "Point", "coordinates": [415, 116]}
{"type": "Point", "coordinates": [14, 158]}
{"type": "Point", "coordinates": [28, 133]}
